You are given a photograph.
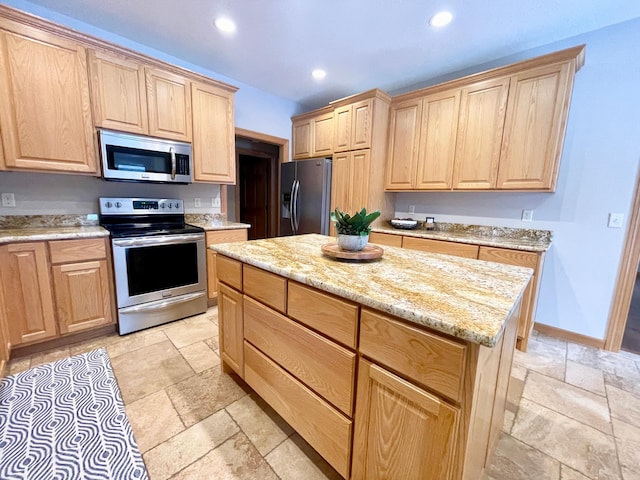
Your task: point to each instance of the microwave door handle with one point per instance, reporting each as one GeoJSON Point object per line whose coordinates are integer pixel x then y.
{"type": "Point", "coordinates": [172, 152]}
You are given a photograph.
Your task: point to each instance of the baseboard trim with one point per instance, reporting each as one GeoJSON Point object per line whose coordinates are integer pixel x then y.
{"type": "Point", "coordinates": [570, 336]}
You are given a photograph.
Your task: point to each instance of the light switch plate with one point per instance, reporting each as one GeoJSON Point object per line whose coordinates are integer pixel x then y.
{"type": "Point", "coordinates": [527, 215]}
{"type": "Point", "coordinates": [8, 200]}
{"type": "Point", "coordinates": [615, 220]}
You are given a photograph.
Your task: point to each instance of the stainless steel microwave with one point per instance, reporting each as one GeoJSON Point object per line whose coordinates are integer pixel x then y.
{"type": "Point", "coordinates": [137, 158]}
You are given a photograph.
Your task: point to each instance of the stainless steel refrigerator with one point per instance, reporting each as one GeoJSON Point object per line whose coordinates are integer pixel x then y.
{"type": "Point", "coordinates": [305, 196]}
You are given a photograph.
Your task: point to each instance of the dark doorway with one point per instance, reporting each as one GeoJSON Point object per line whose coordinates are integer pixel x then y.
{"type": "Point", "coordinates": [256, 193]}
{"type": "Point", "coordinates": [631, 338]}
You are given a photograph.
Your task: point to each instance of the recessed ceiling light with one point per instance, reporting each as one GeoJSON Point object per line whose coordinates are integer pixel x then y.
{"type": "Point", "coordinates": [319, 74]}
{"type": "Point", "coordinates": [441, 19]}
{"type": "Point", "coordinates": [225, 24]}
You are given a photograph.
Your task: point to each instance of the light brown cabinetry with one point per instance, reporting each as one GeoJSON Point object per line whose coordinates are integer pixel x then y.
{"type": "Point", "coordinates": [119, 94]}
{"type": "Point", "coordinates": [213, 134]}
{"type": "Point", "coordinates": [213, 237]}
{"type": "Point", "coordinates": [82, 284]}
{"type": "Point", "coordinates": [349, 192]}
{"type": "Point", "coordinates": [5, 341]}
{"type": "Point", "coordinates": [45, 119]}
{"type": "Point", "coordinates": [440, 246]}
{"type": "Point", "coordinates": [353, 124]}
{"type": "Point", "coordinates": [169, 104]}
{"type": "Point", "coordinates": [312, 134]}
{"type": "Point", "coordinates": [501, 129]}
{"type": "Point", "coordinates": [26, 285]}
{"type": "Point", "coordinates": [231, 328]}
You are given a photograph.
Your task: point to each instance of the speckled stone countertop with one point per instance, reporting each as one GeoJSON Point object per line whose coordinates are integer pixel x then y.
{"type": "Point", "coordinates": [469, 299]}
{"type": "Point", "coordinates": [213, 222]}
{"type": "Point", "coordinates": [33, 234]}
{"type": "Point", "coordinates": [514, 238]}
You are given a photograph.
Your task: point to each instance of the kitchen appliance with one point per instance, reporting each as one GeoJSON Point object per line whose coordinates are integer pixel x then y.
{"type": "Point", "coordinates": [305, 196]}
{"type": "Point", "coordinates": [136, 158]}
{"type": "Point", "coordinates": [159, 261]}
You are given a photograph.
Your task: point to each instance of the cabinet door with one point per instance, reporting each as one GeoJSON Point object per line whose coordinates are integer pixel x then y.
{"type": "Point", "coordinates": [27, 292]}
{"type": "Point", "coordinates": [404, 141]}
{"type": "Point", "coordinates": [441, 246]}
{"type": "Point", "coordinates": [219, 236]}
{"type": "Point", "coordinates": [534, 127]}
{"type": "Point", "coordinates": [438, 133]}
{"type": "Point", "coordinates": [169, 105]}
{"type": "Point", "coordinates": [360, 164]}
{"type": "Point", "coordinates": [480, 126]}
{"type": "Point", "coordinates": [5, 343]}
{"type": "Point", "coordinates": [349, 188]}
{"type": "Point", "coordinates": [83, 295]}
{"type": "Point", "coordinates": [341, 182]}
{"type": "Point", "coordinates": [401, 431]}
{"type": "Point", "coordinates": [119, 95]}
{"type": "Point", "coordinates": [322, 135]}
{"type": "Point", "coordinates": [45, 119]}
{"type": "Point", "coordinates": [353, 126]}
{"type": "Point", "coordinates": [214, 151]}
{"type": "Point", "coordinates": [231, 326]}
{"type": "Point", "coordinates": [342, 117]}
{"type": "Point", "coordinates": [301, 138]}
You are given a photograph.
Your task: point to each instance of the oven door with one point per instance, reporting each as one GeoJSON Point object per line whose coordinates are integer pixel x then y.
{"type": "Point", "coordinates": [160, 267]}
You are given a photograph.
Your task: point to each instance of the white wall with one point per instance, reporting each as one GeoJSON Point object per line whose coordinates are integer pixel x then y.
{"type": "Point", "coordinates": [597, 176]}
{"type": "Point", "coordinates": [45, 193]}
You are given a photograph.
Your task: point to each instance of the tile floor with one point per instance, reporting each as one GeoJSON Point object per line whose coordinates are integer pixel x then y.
{"type": "Point", "coordinates": [573, 412]}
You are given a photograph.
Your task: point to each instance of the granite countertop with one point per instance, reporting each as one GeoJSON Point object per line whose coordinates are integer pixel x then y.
{"type": "Point", "coordinates": [470, 299]}
{"type": "Point", "coordinates": [219, 225]}
{"type": "Point", "coordinates": [503, 237]}
{"type": "Point", "coordinates": [32, 234]}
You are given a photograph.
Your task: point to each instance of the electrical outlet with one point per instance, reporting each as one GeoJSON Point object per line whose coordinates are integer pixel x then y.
{"type": "Point", "coordinates": [215, 202]}
{"type": "Point", "coordinates": [412, 209]}
{"type": "Point", "coordinates": [8, 200]}
{"type": "Point", "coordinates": [196, 201]}
{"type": "Point", "coordinates": [615, 220]}
{"type": "Point", "coordinates": [527, 215]}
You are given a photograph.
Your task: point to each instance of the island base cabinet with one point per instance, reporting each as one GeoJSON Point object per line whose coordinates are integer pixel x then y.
{"type": "Point", "coordinates": [231, 329]}
{"type": "Point", "coordinates": [323, 427]}
{"type": "Point", "coordinates": [401, 430]}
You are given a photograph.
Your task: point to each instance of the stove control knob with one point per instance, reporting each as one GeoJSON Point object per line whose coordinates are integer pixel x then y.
{"type": "Point", "coordinates": [118, 204]}
{"type": "Point", "coordinates": [177, 205]}
{"type": "Point", "coordinates": [162, 205]}
{"type": "Point", "coordinates": [108, 204]}
{"type": "Point", "coordinates": [169, 205]}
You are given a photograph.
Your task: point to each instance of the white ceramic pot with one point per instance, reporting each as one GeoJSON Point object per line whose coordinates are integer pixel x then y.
{"type": "Point", "coordinates": [352, 242]}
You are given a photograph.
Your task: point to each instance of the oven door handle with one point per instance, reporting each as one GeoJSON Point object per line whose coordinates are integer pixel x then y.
{"type": "Point", "coordinates": [158, 240]}
{"type": "Point", "coordinates": [162, 304]}
{"type": "Point", "coordinates": [172, 151]}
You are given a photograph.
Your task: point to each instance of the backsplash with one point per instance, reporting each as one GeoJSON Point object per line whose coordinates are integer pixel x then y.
{"type": "Point", "coordinates": [488, 231]}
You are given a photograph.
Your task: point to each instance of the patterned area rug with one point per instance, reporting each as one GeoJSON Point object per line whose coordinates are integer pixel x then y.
{"type": "Point", "coordinates": [66, 420]}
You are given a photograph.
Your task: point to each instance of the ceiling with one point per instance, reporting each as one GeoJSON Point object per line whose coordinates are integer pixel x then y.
{"type": "Point", "coordinates": [361, 43]}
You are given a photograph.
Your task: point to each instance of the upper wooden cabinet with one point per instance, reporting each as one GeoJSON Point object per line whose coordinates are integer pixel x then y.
{"type": "Point", "coordinates": [312, 134]}
{"type": "Point", "coordinates": [169, 104]}
{"type": "Point", "coordinates": [501, 129]}
{"type": "Point", "coordinates": [45, 117]}
{"type": "Point", "coordinates": [213, 134]}
{"type": "Point", "coordinates": [119, 93]}
{"type": "Point", "coordinates": [353, 126]}
{"type": "Point", "coordinates": [349, 192]}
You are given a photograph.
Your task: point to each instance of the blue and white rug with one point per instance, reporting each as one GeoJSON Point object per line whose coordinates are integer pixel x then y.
{"type": "Point", "coordinates": [66, 420]}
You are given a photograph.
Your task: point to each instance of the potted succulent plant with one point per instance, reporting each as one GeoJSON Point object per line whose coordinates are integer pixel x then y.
{"type": "Point", "coordinates": [353, 231]}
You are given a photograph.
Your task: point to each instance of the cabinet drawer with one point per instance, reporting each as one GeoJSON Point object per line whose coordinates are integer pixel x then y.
{"type": "Point", "coordinates": [226, 236]}
{"type": "Point", "coordinates": [508, 256]}
{"type": "Point", "coordinates": [421, 356]}
{"type": "Point", "coordinates": [441, 246]}
{"type": "Point", "coordinates": [325, 367]}
{"type": "Point", "coordinates": [68, 251]}
{"type": "Point", "coordinates": [269, 288]}
{"type": "Point", "coordinates": [385, 239]}
{"type": "Point", "coordinates": [229, 271]}
{"type": "Point", "coordinates": [326, 430]}
{"type": "Point", "coordinates": [325, 313]}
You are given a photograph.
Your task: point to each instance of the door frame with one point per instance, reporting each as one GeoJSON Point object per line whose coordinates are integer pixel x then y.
{"type": "Point", "coordinates": [272, 191]}
{"type": "Point", "coordinates": [627, 272]}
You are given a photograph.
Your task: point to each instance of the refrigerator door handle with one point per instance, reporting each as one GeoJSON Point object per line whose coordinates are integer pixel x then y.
{"type": "Point", "coordinates": [295, 220]}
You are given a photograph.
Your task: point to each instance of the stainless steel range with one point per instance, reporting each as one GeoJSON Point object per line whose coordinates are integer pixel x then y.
{"type": "Point", "coordinates": [159, 261]}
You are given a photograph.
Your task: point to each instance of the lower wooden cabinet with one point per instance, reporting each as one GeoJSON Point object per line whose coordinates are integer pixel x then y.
{"type": "Point", "coordinates": [231, 328]}
{"type": "Point", "coordinates": [5, 342]}
{"type": "Point", "coordinates": [439, 246]}
{"type": "Point", "coordinates": [401, 430]}
{"type": "Point", "coordinates": [55, 288]}
{"type": "Point", "coordinates": [213, 237]}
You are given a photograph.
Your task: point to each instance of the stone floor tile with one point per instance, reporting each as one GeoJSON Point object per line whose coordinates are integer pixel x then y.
{"type": "Point", "coordinates": [149, 369]}
{"type": "Point", "coordinates": [586, 377]}
{"type": "Point", "coordinates": [92, 344]}
{"type": "Point", "coordinates": [188, 446]}
{"type": "Point", "coordinates": [190, 331]}
{"type": "Point", "coordinates": [573, 402]}
{"type": "Point", "coordinates": [546, 358]}
{"type": "Point", "coordinates": [294, 459]}
{"type": "Point", "coordinates": [518, 371]}
{"type": "Point", "coordinates": [18, 365]}
{"type": "Point", "coordinates": [200, 356]}
{"type": "Point", "coordinates": [628, 441]}
{"type": "Point", "coordinates": [264, 427]}
{"type": "Point", "coordinates": [606, 361]}
{"type": "Point", "coordinates": [624, 406]}
{"type": "Point", "coordinates": [203, 394]}
{"type": "Point", "coordinates": [513, 460]}
{"type": "Point", "coordinates": [235, 459]}
{"type": "Point", "coordinates": [558, 342]}
{"type": "Point", "coordinates": [568, 473]}
{"type": "Point", "coordinates": [49, 356]}
{"type": "Point", "coordinates": [629, 475]}
{"type": "Point", "coordinates": [575, 444]}
{"type": "Point", "coordinates": [514, 393]}
{"type": "Point", "coordinates": [153, 420]}
{"type": "Point", "coordinates": [509, 418]}
{"type": "Point", "coordinates": [135, 341]}
{"type": "Point", "coordinates": [627, 383]}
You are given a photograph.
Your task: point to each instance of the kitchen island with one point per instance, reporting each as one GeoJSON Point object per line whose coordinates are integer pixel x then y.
{"type": "Point", "coordinates": [427, 339]}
